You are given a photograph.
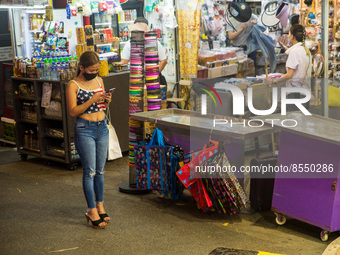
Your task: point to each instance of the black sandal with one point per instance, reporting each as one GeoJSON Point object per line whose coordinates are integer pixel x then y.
{"type": "Point", "coordinates": [95, 224]}
{"type": "Point", "coordinates": [103, 216]}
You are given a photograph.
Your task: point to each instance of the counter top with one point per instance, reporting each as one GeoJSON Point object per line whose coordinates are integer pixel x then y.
{"type": "Point", "coordinates": [203, 123]}
{"type": "Point", "coordinates": [103, 77]}
{"type": "Point", "coordinates": [313, 126]}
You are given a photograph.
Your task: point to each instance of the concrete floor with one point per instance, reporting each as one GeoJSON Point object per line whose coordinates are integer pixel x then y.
{"type": "Point", "coordinates": [42, 211]}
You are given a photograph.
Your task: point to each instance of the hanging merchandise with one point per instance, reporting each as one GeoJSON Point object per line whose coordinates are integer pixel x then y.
{"type": "Point", "coordinates": [152, 161]}
{"type": "Point", "coordinates": [48, 13]}
{"type": "Point", "coordinates": [152, 72]}
{"type": "Point", "coordinates": [61, 27]}
{"type": "Point", "coordinates": [117, 7]}
{"type": "Point", "coordinates": [73, 10]}
{"type": "Point", "coordinates": [87, 9]}
{"type": "Point", "coordinates": [94, 7]}
{"type": "Point", "coordinates": [189, 19]}
{"type": "Point", "coordinates": [79, 7]}
{"type": "Point", "coordinates": [268, 17]}
{"type": "Point", "coordinates": [282, 13]}
{"type": "Point", "coordinates": [135, 136]}
{"type": "Point", "coordinates": [136, 90]}
{"type": "Point", "coordinates": [68, 11]}
{"type": "Point", "coordinates": [311, 16]}
{"type": "Point", "coordinates": [239, 10]}
{"type": "Point", "coordinates": [110, 8]}
{"type": "Point", "coordinates": [149, 5]}
{"type": "Point", "coordinates": [102, 6]}
{"type": "Point", "coordinates": [218, 190]}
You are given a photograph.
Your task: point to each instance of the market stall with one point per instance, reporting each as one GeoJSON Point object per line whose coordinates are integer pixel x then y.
{"type": "Point", "coordinates": [47, 42]}
{"type": "Point", "coordinates": [190, 130]}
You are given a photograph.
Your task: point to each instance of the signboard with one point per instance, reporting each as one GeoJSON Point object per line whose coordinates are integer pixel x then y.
{"type": "Point", "coordinates": [6, 53]}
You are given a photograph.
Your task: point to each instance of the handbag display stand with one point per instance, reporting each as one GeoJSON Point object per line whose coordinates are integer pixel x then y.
{"type": "Point", "coordinates": [136, 88]}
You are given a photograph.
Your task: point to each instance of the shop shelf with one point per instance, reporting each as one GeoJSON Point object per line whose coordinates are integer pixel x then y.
{"type": "Point", "coordinates": [103, 24]}
{"type": "Point", "coordinates": [53, 158]}
{"type": "Point", "coordinates": [7, 141]}
{"type": "Point", "coordinates": [32, 149]}
{"type": "Point", "coordinates": [29, 121]}
{"type": "Point", "coordinates": [27, 98]}
{"type": "Point", "coordinates": [103, 44]}
{"type": "Point", "coordinates": [53, 136]}
{"type": "Point", "coordinates": [28, 151]}
{"type": "Point", "coordinates": [55, 151]}
{"type": "Point", "coordinates": [127, 22]}
{"type": "Point", "coordinates": [108, 54]}
{"type": "Point", "coordinates": [52, 118]}
{"type": "Point", "coordinates": [55, 133]}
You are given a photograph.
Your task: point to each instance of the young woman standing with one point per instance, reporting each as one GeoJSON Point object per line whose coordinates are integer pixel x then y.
{"type": "Point", "coordinates": [86, 101]}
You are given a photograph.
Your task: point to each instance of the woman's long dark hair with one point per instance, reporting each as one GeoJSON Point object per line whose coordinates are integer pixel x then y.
{"type": "Point", "coordinates": [88, 58]}
{"type": "Point", "coordinates": [299, 32]}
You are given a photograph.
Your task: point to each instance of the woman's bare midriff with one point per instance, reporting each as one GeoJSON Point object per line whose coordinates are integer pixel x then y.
{"type": "Point", "coordinates": [96, 116]}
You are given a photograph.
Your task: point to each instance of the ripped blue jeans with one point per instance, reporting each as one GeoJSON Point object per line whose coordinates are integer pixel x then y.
{"type": "Point", "coordinates": [91, 140]}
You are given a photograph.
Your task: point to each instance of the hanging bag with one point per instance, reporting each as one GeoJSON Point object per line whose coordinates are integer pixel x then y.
{"type": "Point", "coordinates": [114, 151]}
{"type": "Point", "coordinates": [192, 180]}
{"type": "Point", "coordinates": [153, 163]}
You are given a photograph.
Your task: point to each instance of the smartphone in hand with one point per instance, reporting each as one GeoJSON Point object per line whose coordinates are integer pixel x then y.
{"type": "Point", "coordinates": [110, 91]}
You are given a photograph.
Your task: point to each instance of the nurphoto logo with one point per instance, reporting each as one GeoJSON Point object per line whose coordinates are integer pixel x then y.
{"type": "Point", "coordinates": [239, 105]}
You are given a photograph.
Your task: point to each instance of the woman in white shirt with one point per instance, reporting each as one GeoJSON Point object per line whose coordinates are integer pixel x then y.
{"type": "Point", "coordinates": [298, 65]}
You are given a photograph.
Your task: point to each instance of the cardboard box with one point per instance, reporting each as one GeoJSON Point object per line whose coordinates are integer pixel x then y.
{"type": "Point", "coordinates": [215, 72]}
{"type": "Point", "coordinates": [164, 104]}
{"type": "Point", "coordinates": [229, 70]}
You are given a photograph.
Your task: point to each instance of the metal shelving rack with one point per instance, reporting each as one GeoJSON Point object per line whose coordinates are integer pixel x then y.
{"type": "Point", "coordinates": [47, 146]}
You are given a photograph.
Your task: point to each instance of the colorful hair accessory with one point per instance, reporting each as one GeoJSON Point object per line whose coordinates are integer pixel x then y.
{"type": "Point", "coordinates": [154, 107]}
{"type": "Point", "coordinates": [153, 86]}
{"type": "Point", "coordinates": [136, 62]}
{"type": "Point", "coordinates": [155, 100]}
{"type": "Point", "coordinates": [151, 66]}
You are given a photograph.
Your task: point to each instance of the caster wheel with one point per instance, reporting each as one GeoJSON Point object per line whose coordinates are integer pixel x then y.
{"type": "Point", "coordinates": [280, 219]}
{"type": "Point", "coordinates": [72, 167]}
{"type": "Point", "coordinates": [324, 235]}
{"type": "Point", "coordinates": [23, 157]}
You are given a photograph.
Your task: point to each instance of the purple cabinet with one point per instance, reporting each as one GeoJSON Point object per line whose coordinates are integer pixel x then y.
{"type": "Point", "coordinates": [315, 200]}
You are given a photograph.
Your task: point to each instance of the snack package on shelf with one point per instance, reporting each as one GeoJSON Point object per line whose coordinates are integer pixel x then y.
{"type": "Point", "coordinates": [80, 35]}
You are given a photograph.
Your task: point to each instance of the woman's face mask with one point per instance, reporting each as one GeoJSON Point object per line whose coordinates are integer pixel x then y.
{"type": "Point", "coordinates": [91, 72]}
{"type": "Point", "coordinates": [90, 76]}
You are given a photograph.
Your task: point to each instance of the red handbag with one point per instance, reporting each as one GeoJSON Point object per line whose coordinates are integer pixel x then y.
{"type": "Point", "coordinates": [191, 179]}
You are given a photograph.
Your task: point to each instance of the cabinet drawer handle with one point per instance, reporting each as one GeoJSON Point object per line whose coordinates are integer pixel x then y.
{"type": "Point", "coordinates": [334, 186]}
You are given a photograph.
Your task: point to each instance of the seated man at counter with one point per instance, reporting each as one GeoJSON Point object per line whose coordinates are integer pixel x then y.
{"type": "Point", "coordinates": [125, 55]}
